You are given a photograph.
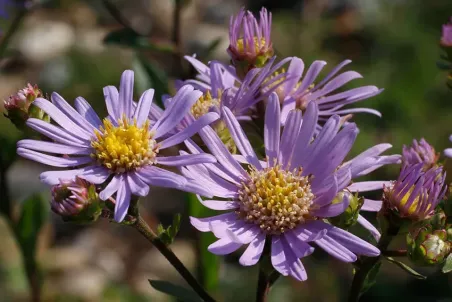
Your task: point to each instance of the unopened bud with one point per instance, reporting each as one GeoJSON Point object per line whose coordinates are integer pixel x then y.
{"type": "Point", "coordinates": [350, 216]}
{"type": "Point", "coordinates": [420, 153]}
{"type": "Point", "coordinates": [76, 201]}
{"type": "Point", "coordinates": [19, 107]}
{"type": "Point", "coordinates": [427, 247]}
{"type": "Point", "coordinates": [250, 44]}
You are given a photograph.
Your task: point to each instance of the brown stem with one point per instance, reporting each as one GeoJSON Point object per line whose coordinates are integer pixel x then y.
{"type": "Point", "coordinates": [35, 282]}
{"type": "Point", "coordinates": [146, 231]}
{"type": "Point", "coordinates": [263, 287]}
{"type": "Point", "coordinates": [397, 253]}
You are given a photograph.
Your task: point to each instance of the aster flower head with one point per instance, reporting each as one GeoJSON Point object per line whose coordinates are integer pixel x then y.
{"type": "Point", "coordinates": [416, 193]}
{"type": "Point", "coordinates": [284, 199]}
{"type": "Point", "coordinates": [299, 90]}
{"type": "Point", "coordinates": [446, 37]}
{"type": "Point", "coordinates": [250, 42]}
{"type": "Point", "coordinates": [76, 200]}
{"type": "Point", "coordinates": [19, 106]}
{"type": "Point", "coordinates": [122, 150]}
{"type": "Point", "coordinates": [420, 152]}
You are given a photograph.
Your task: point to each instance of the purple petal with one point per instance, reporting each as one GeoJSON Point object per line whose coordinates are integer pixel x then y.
{"type": "Point", "coordinates": [61, 119]}
{"type": "Point", "coordinates": [240, 139]}
{"type": "Point", "coordinates": [365, 186]}
{"type": "Point", "coordinates": [294, 73]}
{"type": "Point", "coordinates": [340, 81]}
{"type": "Point", "coordinates": [95, 174]}
{"type": "Point", "coordinates": [70, 112]}
{"type": "Point", "coordinates": [372, 205]}
{"type": "Point", "coordinates": [56, 133]}
{"type": "Point", "coordinates": [370, 227]}
{"type": "Point", "coordinates": [289, 136]}
{"type": "Point", "coordinates": [183, 160]}
{"type": "Point", "coordinates": [272, 128]}
{"type": "Point", "coordinates": [204, 224]}
{"type": "Point", "coordinates": [311, 75]}
{"type": "Point", "coordinates": [136, 185]}
{"type": "Point", "coordinates": [85, 110]}
{"type": "Point", "coordinates": [53, 160]}
{"type": "Point", "coordinates": [328, 190]}
{"type": "Point", "coordinates": [122, 200]}
{"type": "Point", "coordinates": [305, 135]}
{"type": "Point", "coordinates": [254, 251]}
{"type": "Point", "coordinates": [298, 246]}
{"type": "Point", "coordinates": [335, 249]}
{"type": "Point", "coordinates": [111, 95]}
{"type": "Point", "coordinates": [52, 147]}
{"type": "Point", "coordinates": [219, 204]}
{"type": "Point", "coordinates": [224, 246]}
{"type": "Point", "coordinates": [189, 131]}
{"type": "Point", "coordinates": [111, 188]}
{"type": "Point", "coordinates": [333, 210]}
{"type": "Point", "coordinates": [126, 93]}
{"type": "Point", "coordinates": [159, 177]}
{"type": "Point", "coordinates": [177, 109]}
{"type": "Point", "coordinates": [144, 106]}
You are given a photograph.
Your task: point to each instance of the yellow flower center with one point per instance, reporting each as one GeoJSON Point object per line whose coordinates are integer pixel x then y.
{"type": "Point", "coordinates": [257, 46]}
{"type": "Point", "coordinates": [277, 200]}
{"type": "Point", "coordinates": [124, 147]}
{"type": "Point", "coordinates": [204, 103]}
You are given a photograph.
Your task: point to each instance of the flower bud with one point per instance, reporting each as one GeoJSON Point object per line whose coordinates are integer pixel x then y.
{"type": "Point", "coordinates": [446, 37]}
{"type": "Point", "coordinates": [420, 152]}
{"type": "Point", "coordinates": [416, 193]}
{"type": "Point", "coordinates": [19, 107]}
{"type": "Point", "coordinates": [350, 216]}
{"type": "Point", "coordinates": [250, 43]}
{"type": "Point", "coordinates": [76, 201]}
{"type": "Point", "coordinates": [426, 246]}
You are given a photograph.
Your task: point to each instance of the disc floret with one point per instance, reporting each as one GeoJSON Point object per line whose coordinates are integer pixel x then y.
{"type": "Point", "coordinates": [125, 146]}
{"type": "Point", "coordinates": [275, 199]}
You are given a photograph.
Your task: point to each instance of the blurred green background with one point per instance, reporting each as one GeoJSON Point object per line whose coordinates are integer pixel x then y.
{"type": "Point", "coordinates": [60, 46]}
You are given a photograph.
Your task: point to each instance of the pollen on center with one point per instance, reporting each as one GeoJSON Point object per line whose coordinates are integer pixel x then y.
{"type": "Point", "coordinates": [124, 147]}
{"type": "Point", "coordinates": [275, 199]}
{"type": "Point", "coordinates": [204, 103]}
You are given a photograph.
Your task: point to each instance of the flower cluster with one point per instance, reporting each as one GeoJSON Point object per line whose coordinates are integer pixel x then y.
{"type": "Point", "coordinates": [299, 195]}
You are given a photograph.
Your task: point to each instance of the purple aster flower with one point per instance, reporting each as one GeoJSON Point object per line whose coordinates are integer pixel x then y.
{"type": "Point", "coordinates": [446, 37]}
{"type": "Point", "coordinates": [120, 151]}
{"type": "Point", "coordinates": [420, 152]}
{"type": "Point", "coordinates": [221, 87]}
{"type": "Point", "coordinates": [284, 199]}
{"type": "Point", "coordinates": [416, 193]}
{"type": "Point", "coordinates": [298, 91]}
{"type": "Point", "coordinates": [250, 43]}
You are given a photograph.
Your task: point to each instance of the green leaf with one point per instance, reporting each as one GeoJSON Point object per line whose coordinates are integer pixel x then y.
{"type": "Point", "coordinates": [179, 292]}
{"type": "Point", "coordinates": [406, 268]}
{"type": "Point", "coordinates": [129, 38]}
{"type": "Point", "coordinates": [209, 263]}
{"type": "Point", "coordinates": [371, 277]}
{"type": "Point", "coordinates": [174, 228]}
{"type": "Point", "coordinates": [33, 216]}
{"type": "Point", "coordinates": [447, 265]}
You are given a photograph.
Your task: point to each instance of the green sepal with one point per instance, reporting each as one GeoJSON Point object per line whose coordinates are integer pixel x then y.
{"type": "Point", "coordinates": [371, 278]}
{"type": "Point", "coordinates": [169, 234]}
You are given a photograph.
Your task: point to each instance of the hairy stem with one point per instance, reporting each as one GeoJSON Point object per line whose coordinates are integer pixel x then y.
{"type": "Point", "coordinates": [146, 231]}
{"type": "Point", "coordinates": [367, 263]}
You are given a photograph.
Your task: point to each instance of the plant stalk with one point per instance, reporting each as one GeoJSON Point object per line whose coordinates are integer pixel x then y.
{"type": "Point", "coordinates": [146, 231]}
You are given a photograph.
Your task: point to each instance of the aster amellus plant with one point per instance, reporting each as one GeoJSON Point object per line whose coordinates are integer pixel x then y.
{"type": "Point", "coordinates": [261, 146]}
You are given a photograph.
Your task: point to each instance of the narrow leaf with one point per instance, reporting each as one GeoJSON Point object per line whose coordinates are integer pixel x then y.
{"type": "Point", "coordinates": [179, 292]}
{"type": "Point", "coordinates": [152, 77]}
{"type": "Point", "coordinates": [406, 268]}
{"type": "Point", "coordinates": [371, 278]}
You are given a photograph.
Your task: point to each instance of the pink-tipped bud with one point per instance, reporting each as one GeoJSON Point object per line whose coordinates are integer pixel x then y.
{"type": "Point", "coordinates": [250, 44]}
{"type": "Point", "coordinates": [76, 200]}
{"type": "Point", "coordinates": [19, 106]}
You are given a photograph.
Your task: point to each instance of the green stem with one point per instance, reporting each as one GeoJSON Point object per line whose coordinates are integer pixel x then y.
{"type": "Point", "coordinates": [367, 263]}
{"type": "Point", "coordinates": [263, 287]}
{"type": "Point", "coordinates": [146, 231]}
{"type": "Point", "coordinates": [17, 21]}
